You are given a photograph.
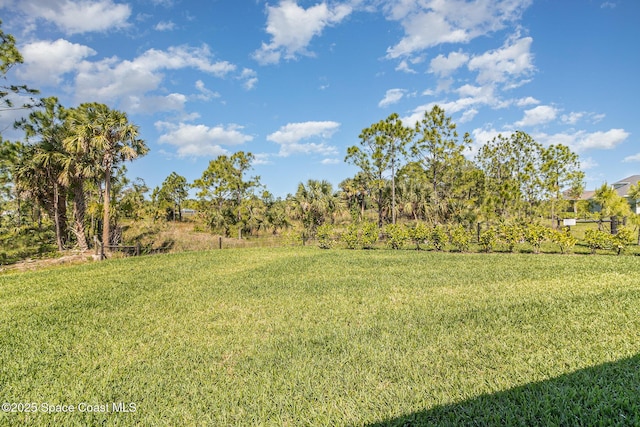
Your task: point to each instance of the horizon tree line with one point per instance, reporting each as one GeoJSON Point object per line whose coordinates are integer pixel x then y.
{"type": "Point", "coordinates": [71, 162]}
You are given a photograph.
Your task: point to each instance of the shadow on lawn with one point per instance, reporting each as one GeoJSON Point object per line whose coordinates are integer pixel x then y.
{"type": "Point", "coordinates": [604, 395]}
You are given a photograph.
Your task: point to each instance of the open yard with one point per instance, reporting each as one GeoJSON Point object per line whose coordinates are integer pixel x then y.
{"type": "Point", "coordinates": [301, 336]}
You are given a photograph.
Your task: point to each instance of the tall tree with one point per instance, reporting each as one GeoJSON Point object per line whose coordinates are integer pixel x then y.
{"type": "Point", "coordinates": [223, 187]}
{"type": "Point", "coordinates": [511, 168]}
{"type": "Point", "coordinates": [560, 170]}
{"type": "Point", "coordinates": [47, 129]}
{"type": "Point", "coordinates": [9, 57]}
{"type": "Point", "coordinates": [110, 139]}
{"type": "Point", "coordinates": [441, 152]}
{"type": "Point", "coordinates": [174, 190]}
{"type": "Point", "coordinates": [384, 147]}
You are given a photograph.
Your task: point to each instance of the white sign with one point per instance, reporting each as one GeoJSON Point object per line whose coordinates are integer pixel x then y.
{"type": "Point", "coordinates": [569, 222]}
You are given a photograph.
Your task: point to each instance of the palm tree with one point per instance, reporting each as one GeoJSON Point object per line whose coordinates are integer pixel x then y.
{"type": "Point", "coordinates": [107, 137]}
{"type": "Point", "coordinates": [315, 202]}
{"type": "Point", "coordinates": [40, 166]}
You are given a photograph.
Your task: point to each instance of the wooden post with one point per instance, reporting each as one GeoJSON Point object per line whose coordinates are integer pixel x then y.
{"type": "Point", "coordinates": [138, 249]}
{"type": "Point", "coordinates": [220, 242]}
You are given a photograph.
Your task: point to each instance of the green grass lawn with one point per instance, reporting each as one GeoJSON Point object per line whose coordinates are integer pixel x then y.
{"type": "Point", "coordinates": [301, 336]}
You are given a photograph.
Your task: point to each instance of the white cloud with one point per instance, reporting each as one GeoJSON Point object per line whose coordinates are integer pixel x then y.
{"type": "Point", "coordinates": [446, 65]}
{"type": "Point", "coordinates": [290, 135]}
{"type": "Point", "coordinates": [331, 161]}
{"type": "Point", "coordinates": [46, 62]}
{"type": "Point", "coordinates": [581, 141]}
{"type": "Point", "coordinates": [201, 140]}
{"type": "Point", "coordinates": [588, 163]}
{"type": "Point", "coordinates": [165, 26]}
{"type": "Point", "coordinates": [153, 104]}
{"type": "Point", "coordinates": [633, 158]}
{"type": "Point", "coordinates": [572, 118]}
{"type": "Point", "coordinates": [466, 105]}
{"type": "Point", "coordinates": [538, 115]}
{"type": "Point", "coordinates": [468, 115]}
{"type": "Point", "coordinates": [250, 78]}
{"type": "Point", "coordinates": [292, 27]}
{"type": "Point", "coordinates": [430, 23]}
{"type": "Point", "coordinates": [392, 96]}
{"type": "Point", "coordinates": [405, 67]}
{"type": "Point", "coordinates": [525, 102]}
{"type": "Point", "coordinates": [513, 60]}
{"type": "Point", "coordinates": [262, 159]}
{"type": "Point", "coordinates": [75, 17]}
{"type": "Point", "coordinates": [205, 94]}
{"type": "Point", "coordinates": [112, 79]}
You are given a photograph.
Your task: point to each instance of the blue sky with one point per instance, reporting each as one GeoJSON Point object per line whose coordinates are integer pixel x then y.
{"type": "Point", "coordinates": [294, 82]}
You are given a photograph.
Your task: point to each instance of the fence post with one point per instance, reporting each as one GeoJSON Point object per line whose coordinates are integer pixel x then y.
{"type": "Point", "coordinates": [220, 242]}
{"type": "Point", "coordinates": [138, 249]}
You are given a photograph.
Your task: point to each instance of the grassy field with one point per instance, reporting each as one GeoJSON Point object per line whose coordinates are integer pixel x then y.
{"type": "Point", "coordinates": [301, 336]}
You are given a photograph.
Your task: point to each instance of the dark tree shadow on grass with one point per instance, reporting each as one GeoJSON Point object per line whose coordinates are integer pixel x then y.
{"type": "Point", "coordinates": [603, 395]}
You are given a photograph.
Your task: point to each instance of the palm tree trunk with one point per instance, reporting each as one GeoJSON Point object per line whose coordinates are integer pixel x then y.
{"type": "Point", "coordinates": [56, 217]}
{"type": "Point", "coordinates": [106, 199]}
{"type": "Point", "coordinates": [78, 215]}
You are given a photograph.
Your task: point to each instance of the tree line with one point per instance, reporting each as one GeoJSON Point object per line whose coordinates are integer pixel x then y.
{"type": "Point", "coordinates": [71, 163]}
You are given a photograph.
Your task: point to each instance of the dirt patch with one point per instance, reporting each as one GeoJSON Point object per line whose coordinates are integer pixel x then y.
{"type": "Point", "coordinates": [37, 264]}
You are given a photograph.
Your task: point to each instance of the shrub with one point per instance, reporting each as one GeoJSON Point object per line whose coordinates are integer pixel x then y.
{"type": "Point", "coordinates": [369, 235]}
{"type": "Point", "coordinates": [293, 237]}
{"type": "Point", "coordinates": [397, 235]}
{"type": "Point", "coordinates": [488, 240]}
{"type": "Point", "coordinates": [563, 239]}
{"type": "Point", "coordinates": [325, 236]}
{"type": "Point", "coordinates": [350, 237]}
{"type": "Point", "coordinates": [511, 234]}
{"type": "Point", "coordinates": [622, 239]}
{"type": "Point", "coordinates": [419, 234]}
{"type": "Point", "coordinates": [460, 238]}
{"type": "Point", "coordinates": [597, 239]}
{"type": "Point", "coordinates": [438, 237]}
{"type": "Point", "coordinates": [535, 234]}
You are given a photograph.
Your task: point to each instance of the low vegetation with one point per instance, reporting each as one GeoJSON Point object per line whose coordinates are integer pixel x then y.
{"type": "Point", "coordinates": [304, 336]}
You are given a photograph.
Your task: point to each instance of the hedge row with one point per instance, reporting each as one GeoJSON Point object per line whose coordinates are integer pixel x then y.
{"type": "Point", "coordinates": [397, 236]}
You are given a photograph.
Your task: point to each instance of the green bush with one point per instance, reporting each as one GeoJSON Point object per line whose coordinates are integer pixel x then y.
{"type": "Point", "coordinates": [350, 237]}
{"type": "Point", "coordinates": [563, 239]}
{"type": "Point", "coordinates": [460, 238]}
{"type": "Point", "coordinates": [622, 239]}
{"type": "Point", "coordinates": [439, 237]}
{"type": "Point", "coordinates": [419, 234]}
{"type": "Point", "coordinates": [535, 234]}
{"type": "Point", "coordinates": [363, 236]}
{"type": "Point", "coordinates": [511, 235]}
{"type": "Point", "coordinates": [369, 235]}
{"type": "Point", "coordinates": [597, 239]}
{"type": "Point", "coordinates": [396, 235]}
{"type": "Point", "coordinates": [292, 237]}
{"type": "Point", "coordinates": [325, 236]}
{"type": "Point", "coordinates": [488, 239]}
